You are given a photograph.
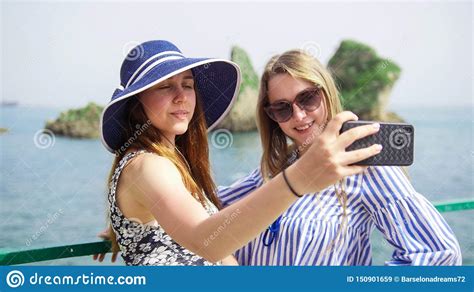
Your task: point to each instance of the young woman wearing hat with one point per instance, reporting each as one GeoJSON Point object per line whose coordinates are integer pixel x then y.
{"type": "Point", "coordinates": [163, 203]}
{"type": "Point", "coordinates": [333, 226]}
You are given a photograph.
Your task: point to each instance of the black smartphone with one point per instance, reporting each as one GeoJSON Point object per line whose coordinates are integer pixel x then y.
{"type": "Point", "coordinates": [397, 140]}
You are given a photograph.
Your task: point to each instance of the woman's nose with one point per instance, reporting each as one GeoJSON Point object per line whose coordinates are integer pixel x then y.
{"type": "Point", "coordinates": [298, 113]}
{"type": "Point", "coordinates": [180, 95]}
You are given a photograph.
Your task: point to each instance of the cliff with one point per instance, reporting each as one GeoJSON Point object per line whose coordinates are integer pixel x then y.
{"type": "Point", "coordinates": [242, 115]}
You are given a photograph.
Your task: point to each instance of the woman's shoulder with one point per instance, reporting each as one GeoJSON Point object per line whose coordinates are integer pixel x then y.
{"type": "Point", "coordinates": [240, 188]}
{"type": "Point", "coordinates": [149, 165]}
{"type": "Point", "coordinates": [254, 177]}
{"type": "Point", "coordinates": [150, 176]}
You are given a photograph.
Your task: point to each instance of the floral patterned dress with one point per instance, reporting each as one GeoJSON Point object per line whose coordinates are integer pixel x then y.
{"type": "Point", "coordinates": [147, 244]}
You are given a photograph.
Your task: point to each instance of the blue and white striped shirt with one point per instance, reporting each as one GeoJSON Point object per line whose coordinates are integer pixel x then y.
{"type": "Point", "coordinates": [380, 197]}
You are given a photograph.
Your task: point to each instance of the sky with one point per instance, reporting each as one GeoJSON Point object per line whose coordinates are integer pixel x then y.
{"type": "Point", "coordinates": [65, 54]}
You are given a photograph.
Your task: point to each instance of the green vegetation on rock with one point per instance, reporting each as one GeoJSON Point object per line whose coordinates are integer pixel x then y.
{"type": "Point", "coordinates": [77, 123]}
{"type": "Point", "coordinates": [249, 76]}
{"type": "Point", "coordinates": [364, 79]}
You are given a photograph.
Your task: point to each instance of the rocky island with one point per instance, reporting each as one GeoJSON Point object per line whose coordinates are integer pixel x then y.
{"type": "Point", "coordinates": [77, 123]}
{"type": "Point", "coordinates": [364, 80]}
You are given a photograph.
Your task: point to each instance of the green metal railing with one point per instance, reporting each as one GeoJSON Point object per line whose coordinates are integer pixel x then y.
{"type": "Point", "coordinates": [53, 253]}
{"type": "Point", "coordinates": [85, 249]}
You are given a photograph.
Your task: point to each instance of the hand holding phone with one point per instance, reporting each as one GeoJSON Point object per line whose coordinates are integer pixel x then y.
{"type": "Point", "coordinates": [397, 140]}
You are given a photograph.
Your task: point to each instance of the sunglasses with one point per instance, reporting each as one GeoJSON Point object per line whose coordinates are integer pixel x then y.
{"type": "Point", "coordinates": [308, 100]}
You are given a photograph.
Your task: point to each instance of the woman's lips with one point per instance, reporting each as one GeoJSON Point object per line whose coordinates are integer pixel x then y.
{"type": "Point", "coordinates": [180, 115]}
{"type": "Point", "coordinates": [304, 128]}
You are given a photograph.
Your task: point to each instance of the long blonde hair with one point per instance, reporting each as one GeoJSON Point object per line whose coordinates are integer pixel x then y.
{"type": "Point", "coordinates": [190, 147]}
{"type": "Point", "coordinates": [276, 151]}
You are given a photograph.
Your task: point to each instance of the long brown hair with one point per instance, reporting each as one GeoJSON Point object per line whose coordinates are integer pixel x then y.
{"type": "Point", "coordinates": [190, 155]}
{"type": "Point", "coordinates": [276, 150]}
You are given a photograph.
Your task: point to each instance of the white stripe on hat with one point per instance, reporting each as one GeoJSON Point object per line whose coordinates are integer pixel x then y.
{"type": "Point", "coordinates": [154, 64]}
{"type": "Point", "coordinates": [176, 55]}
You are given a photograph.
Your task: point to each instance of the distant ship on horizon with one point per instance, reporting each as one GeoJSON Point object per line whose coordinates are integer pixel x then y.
{"type": "Point", "coordinates": [9, 103]}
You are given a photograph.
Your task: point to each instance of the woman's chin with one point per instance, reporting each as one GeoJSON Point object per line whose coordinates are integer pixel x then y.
{"type": "Point", "coordinates": [180, 129]}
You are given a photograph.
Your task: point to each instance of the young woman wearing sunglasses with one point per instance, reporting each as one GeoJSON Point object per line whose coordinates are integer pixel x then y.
{"type": "Point", "coordinates": [332, 227]}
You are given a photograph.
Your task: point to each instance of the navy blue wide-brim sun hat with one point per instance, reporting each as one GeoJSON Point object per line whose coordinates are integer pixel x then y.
{"type": "Point", "coordinates": [217, 81]}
